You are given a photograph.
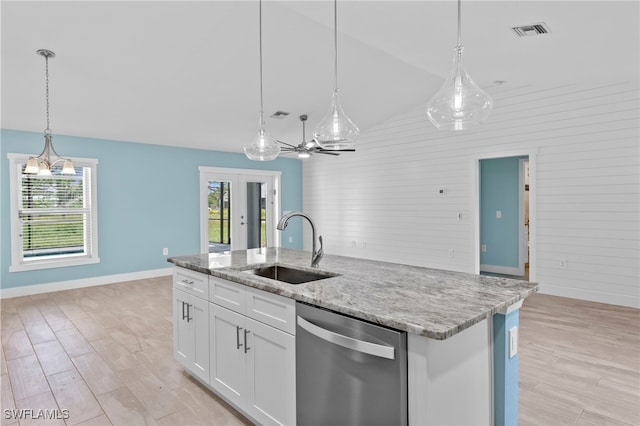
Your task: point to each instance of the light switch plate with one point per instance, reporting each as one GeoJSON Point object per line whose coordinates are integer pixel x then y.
{"type": "Point", "coordinates": [513, 342]}
{"type": "Point", "coordinates": [498, 214]}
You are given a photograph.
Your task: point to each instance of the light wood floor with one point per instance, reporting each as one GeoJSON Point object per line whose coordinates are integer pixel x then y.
{"type": "Point", "coordinates": [105, 354]}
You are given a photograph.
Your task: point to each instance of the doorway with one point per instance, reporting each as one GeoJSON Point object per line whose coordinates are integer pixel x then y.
{"type": "Point", "coordinates": [238, 209]}
{"type": "Point", "coordinates": [505, 233]}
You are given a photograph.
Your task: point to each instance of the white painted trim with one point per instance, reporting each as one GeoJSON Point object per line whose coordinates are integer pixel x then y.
{"type": "Point", "coordinates": [508, 309]}
{"type": "Point", "coordinates": [506, 270]}
{"type": "Point", "coordinates": [533, 227]}
{"type": "Point", "coordinates": [234, 176]}
{"type": "Point", "coordinates": [19, 265]}
{"type": "Point", "coordinates": [594, 296]}
{"type": "Point", "coordinates": [28, 290]}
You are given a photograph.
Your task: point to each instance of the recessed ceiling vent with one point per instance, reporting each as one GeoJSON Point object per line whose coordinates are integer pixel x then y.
{"type": "Point", "coordinates": [531, 30]}
{"type": "Point", "coordinates": [279, 115]}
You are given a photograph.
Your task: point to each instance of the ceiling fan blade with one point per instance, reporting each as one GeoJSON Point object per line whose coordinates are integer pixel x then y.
{"type": "Point", "coordinates": [325, 152]}
{"type": "Point", "coordinates": [335, 150]}
{"type": "Point", "coordinates": [287, 144]}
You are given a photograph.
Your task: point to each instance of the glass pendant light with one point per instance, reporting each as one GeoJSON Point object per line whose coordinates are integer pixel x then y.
{"type": "Point", "coordinates": [459, 104]}
{"type": "Point", "coordinates": [42, 164]}
{"type": "Point", "coordinates": [336, 131]}
{"type": "Point", "coordinates": [263, 147]}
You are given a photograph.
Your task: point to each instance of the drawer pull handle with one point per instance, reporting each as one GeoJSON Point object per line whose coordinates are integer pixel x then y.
{"type": "Point", "coordinates": [187, 282]}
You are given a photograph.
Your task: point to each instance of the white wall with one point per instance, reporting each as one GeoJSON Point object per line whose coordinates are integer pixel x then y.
{"type": "Point", "coordinates": [382, 202]}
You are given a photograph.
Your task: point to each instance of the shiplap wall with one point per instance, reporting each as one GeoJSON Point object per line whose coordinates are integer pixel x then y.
{"type": "Point", "coordinates": [382, 202]}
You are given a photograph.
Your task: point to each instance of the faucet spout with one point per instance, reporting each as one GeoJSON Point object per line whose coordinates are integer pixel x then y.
{"type": "Point", "coordinates": [316, 254]}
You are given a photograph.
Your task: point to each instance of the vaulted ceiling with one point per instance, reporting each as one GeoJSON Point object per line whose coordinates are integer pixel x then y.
{"type": "Point", "coordinates": [186, 73]}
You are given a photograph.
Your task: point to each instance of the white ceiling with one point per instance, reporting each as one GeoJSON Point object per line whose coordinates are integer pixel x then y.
{"type": "Point", "coordinates": [186, 73]}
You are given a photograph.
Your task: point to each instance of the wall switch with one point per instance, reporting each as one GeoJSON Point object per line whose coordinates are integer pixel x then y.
{"type": "Point", "coordinates": [452, 253]}
{"type": "Point", "coordinates": [513, 342]}
{"type": "Point", "coordinates": [484, 248]}
{"type": "Point", "coordinates": [165, 251]}
{"type": "Point", "coordinates": [498, 214]}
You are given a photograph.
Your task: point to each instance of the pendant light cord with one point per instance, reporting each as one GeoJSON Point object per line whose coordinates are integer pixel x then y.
{"type": "Point", "coordinates": [335, 42]}
{"type": "Point", "coordinates": [260, 40]}
{"type": "Point", "coordinates": [459, 24]}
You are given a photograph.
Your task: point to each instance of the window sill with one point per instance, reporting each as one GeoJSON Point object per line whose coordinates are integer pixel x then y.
{"type": "Point", "coordinates": [53, 263]}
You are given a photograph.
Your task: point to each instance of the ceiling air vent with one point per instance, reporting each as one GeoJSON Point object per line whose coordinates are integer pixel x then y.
{"type": "Point", "coordinates": [279, 115]}
{"type": "Point", "coordinates": [531, 30]}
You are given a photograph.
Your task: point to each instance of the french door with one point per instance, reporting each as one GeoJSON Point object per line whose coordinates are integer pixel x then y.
{"type": "Point", "coordinates": [238, 209]}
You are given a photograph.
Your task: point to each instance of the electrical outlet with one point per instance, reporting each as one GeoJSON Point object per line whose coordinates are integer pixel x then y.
{"type": "Point", "coordinates": [498, 214]}
{"type": "Point", "coordinates": [513, 342]}
{"type": "Point", "coordinates": [563, 263]}
{"type": "Point", "coordinates": [165, 251]}
{"type": "Point", "coordinates": [484, 248]}
{"type": "Point", "coordinates": [452, 253]}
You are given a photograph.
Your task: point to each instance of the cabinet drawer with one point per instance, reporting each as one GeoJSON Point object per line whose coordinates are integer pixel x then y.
{"type": "Point", "coordinates": [191, 282]}
{"type": "Point", "coordinates": [272, 309]}
{"type": "Point", "coordinates": [227, 294]}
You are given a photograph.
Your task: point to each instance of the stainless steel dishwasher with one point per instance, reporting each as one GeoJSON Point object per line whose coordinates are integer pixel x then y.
{"type": "Point", "coordinates": [348, 372]}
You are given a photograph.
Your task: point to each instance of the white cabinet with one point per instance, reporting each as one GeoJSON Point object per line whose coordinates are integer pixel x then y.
{"type": "Point", "coordinates": [252, 351]}
{"type": "Point", "coordinates": [239, 341]}
{"type": "Point", "coordinates": [191, 324]}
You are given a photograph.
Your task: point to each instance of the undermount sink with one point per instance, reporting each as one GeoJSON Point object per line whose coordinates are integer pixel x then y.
{"type": "Point", "coordinates": [289, 275]}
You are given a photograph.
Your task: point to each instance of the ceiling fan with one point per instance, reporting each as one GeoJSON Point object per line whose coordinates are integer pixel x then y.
{"type": "Point", "coordinates": [305, 149]}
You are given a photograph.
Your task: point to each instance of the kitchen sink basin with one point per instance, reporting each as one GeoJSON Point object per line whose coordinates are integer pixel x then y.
{"type": "Point", "coordinates": [289, 275]}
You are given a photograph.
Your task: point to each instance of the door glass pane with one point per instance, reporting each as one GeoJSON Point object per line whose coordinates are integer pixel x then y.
{"type": "Point", "coordinates": [219, 223]}
{"type": "Point", "coordinates": [256, 214]}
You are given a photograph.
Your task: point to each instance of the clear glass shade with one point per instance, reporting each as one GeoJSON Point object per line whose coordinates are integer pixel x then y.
{"type": "Point", "coordinates": [336, 130]}
{"type": "Point", "coordinates": [263, 147]}
{"type": "Point", "coordinates": [459, 104]}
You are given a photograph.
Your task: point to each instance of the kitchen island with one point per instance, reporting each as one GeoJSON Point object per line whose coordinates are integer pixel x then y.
{"type": "Point", "coordinates": [459, 325]}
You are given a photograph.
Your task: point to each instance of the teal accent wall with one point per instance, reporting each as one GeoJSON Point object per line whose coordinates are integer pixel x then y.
{"type": "Point", "coordinates": [505, 371]}
{"type": "Point", "coordinates": [499, 191]}
{"type": "Point", "coordinates": [147, 199]}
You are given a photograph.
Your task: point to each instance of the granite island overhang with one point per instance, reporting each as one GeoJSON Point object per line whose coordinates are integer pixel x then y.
{"type": "Point", "coordinates": [460, 327]}
{"type": "Point", "coordinates": [429, 302]}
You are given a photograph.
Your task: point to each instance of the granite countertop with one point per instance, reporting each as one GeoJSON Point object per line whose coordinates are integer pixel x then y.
{"type": "Point", "coordinates": [430, 302]}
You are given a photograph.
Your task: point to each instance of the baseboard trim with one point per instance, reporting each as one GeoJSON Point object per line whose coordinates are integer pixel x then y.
{"type": "Point", "coordinates": [506, 270]}
{"type": "Point", "coordinates": [590, 295]}
{"type": "Point", "coordinates": [28, 290]}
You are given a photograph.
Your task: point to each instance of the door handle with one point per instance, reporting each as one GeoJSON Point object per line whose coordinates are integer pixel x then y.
{"type": "Point", "coordinates": [246, 346]}
{"type": "Point", "coordinates": [382, 351]}
{"type": "Point", "coordinates": [238, 344]}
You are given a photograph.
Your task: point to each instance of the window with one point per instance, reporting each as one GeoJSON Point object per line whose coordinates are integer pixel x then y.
{"type": "Point", "coordinates": [53, 218]}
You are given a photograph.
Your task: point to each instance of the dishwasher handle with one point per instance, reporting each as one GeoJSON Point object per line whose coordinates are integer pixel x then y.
{"type": "Point", "coordinates": [382, 351]}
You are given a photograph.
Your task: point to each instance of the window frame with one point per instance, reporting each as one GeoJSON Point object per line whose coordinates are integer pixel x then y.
{"type": "Point", "coordinates": [18, 262]}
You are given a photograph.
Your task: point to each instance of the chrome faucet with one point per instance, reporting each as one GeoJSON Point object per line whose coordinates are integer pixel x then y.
{"type": "Point", "coordinates": [316, 255]}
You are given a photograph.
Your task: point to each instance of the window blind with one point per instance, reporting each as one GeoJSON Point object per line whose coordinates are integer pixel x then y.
{"type": "Point", "coordinates": [55, 214]}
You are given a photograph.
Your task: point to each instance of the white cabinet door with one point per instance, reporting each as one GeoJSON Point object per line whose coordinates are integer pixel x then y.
{"type": "Point", "coordinates": [271, 381]}
{"type": "Point", "coordinates": [199, 318]}
{"type": "Point", "coordinates": [228, 370]}
{"type": "Point", "coordinates": [182, 330]}
{"type": "Point", "coordinates": [191, 333]}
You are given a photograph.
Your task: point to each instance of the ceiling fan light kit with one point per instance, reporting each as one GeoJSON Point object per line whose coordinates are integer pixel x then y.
{"type": "Point", "coordinates": [305, 149]}
{"type": "Point", "coordinates": [262, 147]}
{"type": "Point", "coordinates": [460, 103]}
